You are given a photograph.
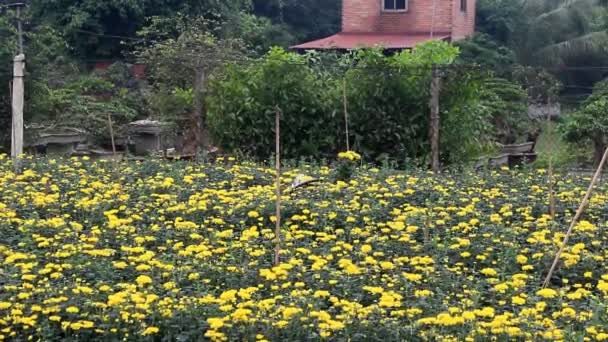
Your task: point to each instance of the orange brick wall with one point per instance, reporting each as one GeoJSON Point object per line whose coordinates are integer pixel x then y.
{"type": "Point", "coordinates": [367, 16]}
{"type": "Point", "coordinates": [463, 22]}
{"type": "Point", "coordinates": [360, 15]}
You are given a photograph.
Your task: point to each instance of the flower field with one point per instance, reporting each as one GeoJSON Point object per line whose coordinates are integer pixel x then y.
{"type": "Point", "coordinates": [178, 251]}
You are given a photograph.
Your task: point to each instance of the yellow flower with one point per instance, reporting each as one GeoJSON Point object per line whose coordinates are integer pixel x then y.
{"type": "Point", "coordinates": [289, 312]}
{"type": "Point", "coordinates": [215, 323]}
{"type": "Point", "coordinates": [522, 259]}
{"type": "Point", "coordinates": [490, 272]}
{"type": "Point", "coordinates": [72, 309]}
{"type": "Point", "coordinates": [517, 300]}
{"type": "Point", "coordinates": [387, 265]}
{"type": "Point", "coordinates": [143, 280]}
{"type": "Point", "coordinates": [349, 155]}
{"type": "Point", "coordinates": [547, 293]}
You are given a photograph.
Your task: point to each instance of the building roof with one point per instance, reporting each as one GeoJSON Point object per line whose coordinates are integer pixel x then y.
{"type": "Point", "coordinates": [353, 40]}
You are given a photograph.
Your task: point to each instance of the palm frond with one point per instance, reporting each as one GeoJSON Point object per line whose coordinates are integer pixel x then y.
{"type": "Point", "coordinates": [567, 9]}
{"type": "Point", "coordinates": [594, 43]}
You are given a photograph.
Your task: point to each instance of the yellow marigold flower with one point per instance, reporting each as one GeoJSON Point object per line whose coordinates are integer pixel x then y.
{"type": "Point", "coordinates": [349, 155]}
{"type": "Point", "coordinates": [522, 259]}
{"type": "Point", "coordinates": [517, 300]}
{"type": "Point", "coordinates": [490, 272]}
{"type": "Point", "coordinates": [387, 265]}
{"type": "Point", "coordinates": [601, 337]}
{"type": "Point", "coordinates": [215, 323]}
{"type": "Point", "coordinates": [143, 280]}
{"type": "Point", "coordinates": [289, 312]}
{"type": "Point", "coordinates": [72, 309]}
{"type": "Point", "coordinates": [120, 265]}
{"type": "Point", "coordinates": [547, 293]}
{"type": "Point", "coordinates": [321, 294]}
{"type": "Point", "coordinates": [568, 312]}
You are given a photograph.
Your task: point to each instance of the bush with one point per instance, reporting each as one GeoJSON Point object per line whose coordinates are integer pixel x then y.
{"type": "Point", "coordinates": [244, 102]}
{"type": "Point", "coordinates": [387, 101]}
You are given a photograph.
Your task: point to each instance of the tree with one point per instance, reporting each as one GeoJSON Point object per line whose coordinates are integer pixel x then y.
{"type": "Point", "coordinates": [245, 99]}
{"type": "Point", "coordinates": [306, 19]}
{"type": "Point", "coordinates": [96, 28]}
{"type": "Point", "coordinates": [186, 58]}
{"type": "Point", "coordinates": [481, 49]}
{"type": "Point", "coordinates": [590, 122]}
{"type": "Point", "coordinates": [500, 19]}
{"type": "Point", "coordinates": [562, 30]}
{"type": "Point", "coordinates": [46, 65]}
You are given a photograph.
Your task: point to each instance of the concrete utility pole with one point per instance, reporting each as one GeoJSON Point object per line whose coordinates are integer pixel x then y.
{"type": "Point", "coordinates": [17, 105]}
{"type": "Point", "coordinates": [18, 92]}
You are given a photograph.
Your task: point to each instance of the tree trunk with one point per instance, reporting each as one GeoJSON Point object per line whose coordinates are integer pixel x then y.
{"type": "Point", "coordinates": [598, 150]}
{"type": "Point", "coordinates": [197, 118]}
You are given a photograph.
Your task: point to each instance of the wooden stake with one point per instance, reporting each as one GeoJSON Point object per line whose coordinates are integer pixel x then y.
{"type": "Point", "coordinates": [198, 114]}
{"type": "Point", "coordinates": [434, 123]}
{"type": "Point", "coordinates": [114, 158]}
{"type": "Point", "coordinates": [277, 231]}
{"type": "Point", "coordinates": [346, 116]}
{"type": "Point", "coordinates": [577, 216]}
{"type": "Point", "coordinates": [550, 172]}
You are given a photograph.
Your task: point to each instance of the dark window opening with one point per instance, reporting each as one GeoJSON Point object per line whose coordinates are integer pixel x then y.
{"type": "Point", "coordinates": [463, 5]}
{"type": "Point", "coordinates": [395, 5]}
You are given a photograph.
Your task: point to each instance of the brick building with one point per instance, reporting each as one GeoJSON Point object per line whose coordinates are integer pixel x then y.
{"type": "Point", "coordinates": [399, 24]}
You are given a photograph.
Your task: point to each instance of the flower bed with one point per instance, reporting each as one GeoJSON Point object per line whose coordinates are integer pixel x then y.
{"type": "Point", "coordinates": [174, 251]}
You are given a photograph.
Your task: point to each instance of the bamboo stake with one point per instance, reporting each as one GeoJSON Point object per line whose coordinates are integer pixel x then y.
{"type": "Point", "coordinates": [550, 172]}
{"type": "Point", "coordinates": [346, 116]}
{"type": "Point", "coordinates": [277, 231]}
{"type": "Point", "coordinates": [435, 119]}
{"type": "Point", "coordinates": [114, 160]}
{"type": "Point", "coordinates": [577, 216]}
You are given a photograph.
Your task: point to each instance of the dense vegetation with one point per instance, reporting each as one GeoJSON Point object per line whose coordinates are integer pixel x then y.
{"type": "Point", "coordinates": [181, 251]}
{"type": "Point", "coordinates": [226, 46]}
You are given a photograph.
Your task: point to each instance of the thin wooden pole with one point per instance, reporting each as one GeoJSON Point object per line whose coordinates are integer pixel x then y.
{"type": "Point", "coordinates": [112, 135]}
{"type": "Point", "coordinates": [277, 231]}
{"type": "Point", "coordinates": [114, 158]}
{"type": "Point", "coordinates": [550, 172]}
{"type": "Point", "coordinates": [198, 115]}
{"type": "Point", "coordinates": [434, 122]}
{"type": "Point", "coordinates": [577, 216]}
{"type": "Point", "coordinates": [346, 116]}
{"type": "Point", "coordinates": [433, 15]}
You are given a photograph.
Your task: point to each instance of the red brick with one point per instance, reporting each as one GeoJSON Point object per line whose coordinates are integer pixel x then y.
{"type": "Point", "coordinates": [423, 16]}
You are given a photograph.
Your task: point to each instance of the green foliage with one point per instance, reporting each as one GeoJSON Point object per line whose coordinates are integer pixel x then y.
{"type": "Point", "coordinates": [46, 64]}
{"type": "Point", "coordinates": [590, 122]}
{"type": "Point", "coordinates": [500, 19]}
{"type": "Point", "coordinates": [173, 57]}
{"type": "Point", "coordinates": [552, 145]}
{"type": "Point", "coordinates": [259, 33]}
{"type": "Point", "coordinates": [482, 50]}
{"type": "Point", "coordinates": [90, 24]}
{"type": "Point", "coordinates": [85, 103]}
{"type": "Point", "coordinates": [507, 103]}
{"type": "Point", "coordinates": [244, 102]}
{"type": "Point", "coordinates": [305, 19]}
{"type": "Point", "coordinates": [387, 102]}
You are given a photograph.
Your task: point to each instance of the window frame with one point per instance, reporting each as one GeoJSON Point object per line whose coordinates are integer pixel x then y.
{"type": "Point", "coordinates": [388, 10]}
{"type": "Point", "coordinates": [464, 4]}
